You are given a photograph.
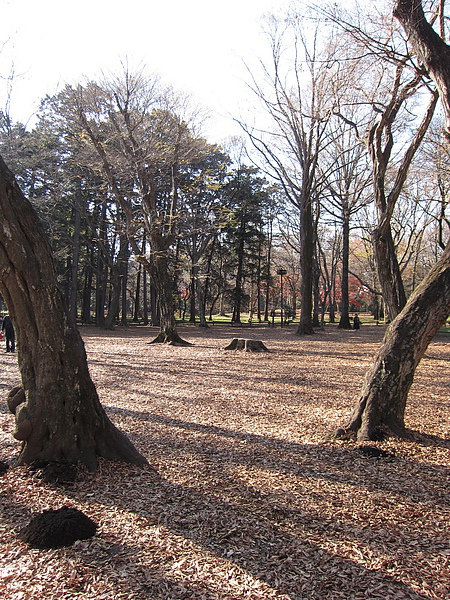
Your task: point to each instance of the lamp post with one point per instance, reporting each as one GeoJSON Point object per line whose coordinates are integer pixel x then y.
{"type": "Point", "coordinates": [281, 272]}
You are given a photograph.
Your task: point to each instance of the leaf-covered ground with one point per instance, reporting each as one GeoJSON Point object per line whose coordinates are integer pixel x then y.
{"type": "Point", "coordinates": [243, 498]}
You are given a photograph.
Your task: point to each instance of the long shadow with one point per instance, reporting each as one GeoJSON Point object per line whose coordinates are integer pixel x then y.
{"type": "Point", "coordinates": [186, 367]}
{"type": "Point", "coordinates": [344, 469]}
{"type": "Point", "coordinates": [266, 534]}
{"type": "Point", "coordinates": [345, 466]}
{"type": "Point", "coordinates": [109, 555]}
{"type": "Point", "coordinates": [417, 436]}
{"type": "Point", "coordinates": [263, 534]}
{"type": "Point", "coordinates": [274, 543]}
{"type": "Point", "coordinates": [425, 439]}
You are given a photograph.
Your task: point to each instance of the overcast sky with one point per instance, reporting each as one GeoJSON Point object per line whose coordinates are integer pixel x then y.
{"type": "Point", "coordinates": [198, 46]}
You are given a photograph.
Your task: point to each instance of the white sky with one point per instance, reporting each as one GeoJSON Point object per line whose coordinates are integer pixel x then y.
{"type": "Point", "coordinates": [197, 46]}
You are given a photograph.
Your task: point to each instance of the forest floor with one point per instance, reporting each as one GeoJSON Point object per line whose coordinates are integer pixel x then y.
{"type": "Point", "coordinates": [244, 497]}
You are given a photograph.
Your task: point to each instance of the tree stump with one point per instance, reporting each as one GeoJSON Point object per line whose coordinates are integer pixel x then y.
{"type": "Point", "coordinates": [247, 345]}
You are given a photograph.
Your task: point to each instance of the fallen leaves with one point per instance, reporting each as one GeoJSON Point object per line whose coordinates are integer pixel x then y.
{"type": "Point", "coordinates": [243, 499]}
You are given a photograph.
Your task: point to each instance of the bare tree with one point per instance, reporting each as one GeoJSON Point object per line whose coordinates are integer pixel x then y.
{"type": "Point", "coordinates": [297, 97]}
{"type": "Point", "coordinates": [392, 86]}
{"type": "Point", "coordinates": [381, 406]}
{"type": "Point", "coordinates": [346, 175]}
{"type": "Point", "coordinates": [381, 143]}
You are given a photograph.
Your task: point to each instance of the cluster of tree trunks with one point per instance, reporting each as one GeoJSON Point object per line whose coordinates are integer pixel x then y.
{"type": "Point", "coordinates": [57, 410]}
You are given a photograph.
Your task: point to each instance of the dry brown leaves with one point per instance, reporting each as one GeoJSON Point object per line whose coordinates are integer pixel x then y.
{"type": "Point", "coordinates": [243, 498]}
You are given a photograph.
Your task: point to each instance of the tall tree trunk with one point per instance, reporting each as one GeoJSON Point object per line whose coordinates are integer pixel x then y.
{"type": "Point", "coordinates": [145, 281]}
{"type": "Point", "coordinates": [344, 322]}
{"type": "Point", "coordinates": [101, 271]}
{"type": "Point", "coordinates": [267, 274]}
{"type": "Point", "coordinates": [58, 413]}
{"type": "Point", "coordinates": [381, 406]}
{"type": "Point", "coordinates": [87, 290]}
{"type": "Point", "coordinates": [259, 280]}
{"type": "Point", "coordinates": [114, 297]}
{"type": "Point", "coordinates": [236, 318]}
{"type": "Point", "coordinates": [75, 252]}
{"type": "Point", "coordinates": [124, 257]}
{"type": "Point", "coordinates": [118, 279]}
{"type": "Point", "coordinates": [201, 303]}
{"type": "Point", "coordinates": [193, 283]}
{"type": "Point", "coordinates": [164, 282]}
{"type": "Point", "coordinates": [89, 273]}
{"type": "Point", "coordinates": [192, 301]}
{"type": "Point", "coordinates": [305, 326]}
{"type": "Point", "coordinates": [316, 294]}
{"type": "Point", "coordinates": [137, 296]}
{"type": "Point", "coordinates": [154, 306]}
{"type": "Point", "coordinates": [145, 297]}
{"type": "Point", "coordinates": [206, 286]}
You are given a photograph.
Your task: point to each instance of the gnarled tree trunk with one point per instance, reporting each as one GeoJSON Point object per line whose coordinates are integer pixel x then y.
{"type": "Point", "coordinates": [163, 277]}
{"type": "Point", "coordinates": [58, 413]}
{"type": "Point", "coordinates": [381, 405]}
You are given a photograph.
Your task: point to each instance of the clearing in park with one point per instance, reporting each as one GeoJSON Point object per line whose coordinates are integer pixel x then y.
{"type": "Point", "coordinates": [244, 497]}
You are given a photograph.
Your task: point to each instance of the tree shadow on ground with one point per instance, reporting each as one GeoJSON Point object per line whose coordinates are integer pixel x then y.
{"type": "Point", "coordinates": [254, 533]}
{"type": "Point", "coordinates": [343, 464]}
{"type": "Point", "coordinates": [425, 439]}
{"type": "Point", "coordinates": [257, 542]}
{"type": "Point", "coordinates": [275, 536]}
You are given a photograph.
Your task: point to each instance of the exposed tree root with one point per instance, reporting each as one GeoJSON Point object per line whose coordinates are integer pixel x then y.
{"type": "Point", "coordinates": [348, 433]}
{"type": "Point", "coordinates": [173, 339]}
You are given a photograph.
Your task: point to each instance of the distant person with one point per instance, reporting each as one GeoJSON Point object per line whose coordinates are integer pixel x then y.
{"type": "Point", "coordinates": [8, 328]}
{"type": "Point", "coordinates": [356, 322]}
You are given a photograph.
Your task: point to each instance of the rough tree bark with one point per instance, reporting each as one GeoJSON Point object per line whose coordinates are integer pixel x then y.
{"type": "Point", "coordinates": [164, 282]}
{"type": "Point", "coordinates": [57, 410]}
{"type": "Point", "coordinates": [381, 405]}
{"type": "Point", "coordinates": [431, 49]}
